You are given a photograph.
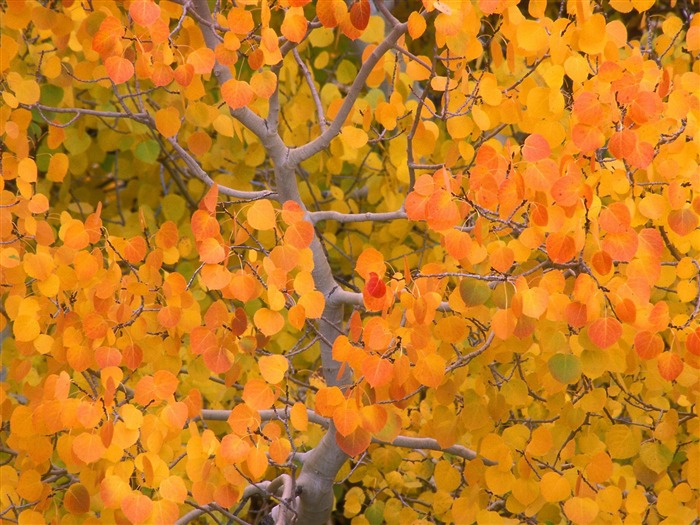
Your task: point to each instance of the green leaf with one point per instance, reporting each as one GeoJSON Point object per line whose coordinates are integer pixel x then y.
{"type": "Point", "coordinates": [656, 457]}
{"type": "Point", "coordinates": [474, 293]}
{"type": "Point", "coordinates": [51, 95]}
{"type": "Point", "coordinates": [147, 151]}
{"type": "Point", "coordinates": [566, 368]}
{"type": "Point", "coordinates": [174, 207]}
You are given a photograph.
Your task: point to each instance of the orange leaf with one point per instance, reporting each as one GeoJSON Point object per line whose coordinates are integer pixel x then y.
{"type": "Point", "coordinates": [119, 69]}
{"type": "Point", "coordinates": [587, 138]}
{"type": "Point", "coordinates": [648, 345]}
{"type": "Point", "coordinates": [416, 25]}
{"type": "Point", "coordinates": [560, 247]}
{"type": "Point", "coordinates": [622, 143]}
{"type": "Point", "coordinates": [256, 462]}
{"type": "Point", "coordinates": [184, 73]}
{"type": "Point", "coordinates": [294, 25]}
{"type": "Point", "coordinates": [373, 418]}
{"type": "Point", "coordinates": [211, 251]}
{"type": "Point", "coordinates": [670, 365]}
{"type": "Point", "coordinates": [327, 399]}
{"type": "Point", "coordinates": [144, 12]}
{"type": "Point", "coordinates": [217, 359]}
{"type": "Point", "coordinates": [346, 417]}
{"type": "Point", "coordinates": [135, 249]}
{"type": "Point", "coordinates": [168, 121]}
{"type": "Point", "coordinates": [240, 21]}
{"type": "Point", "coordinates": [88, 447]}
{"type": "Point", "coordinates": [107, 40]}
{"type": "Point", "coordinates": [299, 234]}
{"type": "Point", "coordinates": [264, 84]}
{"type": "Point", "coordinates": [243, 420]}
{"type": "Point", "coordinates": [258, 395]}
{"type": "Point", "coordinates": [536, 148]}
{"type": "Point", "coordinates": [299, 417]}
{"type": "Point", "coordinates": [692, 343]}
{"type": "Point", "coordinates": [370, 261]}
{"type": "Point", "coordinates": [137, 507]}
{"type": "Point", "coordinates": [77, 499]}
{"type": "Point", "coordinates": [377, 371]}
{"type": "Point", "coordinates": [237, 93]}
{"type": "Point", "coordinates": [261, 215]}
{"type": "Point", "coordinates": [354, 443]}
{"type": "Point", "coordinates": [605, 332]}
{"type": "Point", "coordinates": [327, 13]}
{"type": "Point", "coordinates": [202, 61]}
{"type": "Point", "coordinates": [268, 321]}
{"type": "Point", "coordinates": [683, 221]}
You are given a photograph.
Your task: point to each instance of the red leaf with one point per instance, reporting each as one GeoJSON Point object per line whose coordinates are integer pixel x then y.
{"type": "Point", "coordinates": [375, 286]}
{"type": "Point", "coordinates": [359, 14]}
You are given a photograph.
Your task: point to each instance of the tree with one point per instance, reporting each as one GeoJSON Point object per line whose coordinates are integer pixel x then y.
{"type": "Point", "coordinates": [281, 261]}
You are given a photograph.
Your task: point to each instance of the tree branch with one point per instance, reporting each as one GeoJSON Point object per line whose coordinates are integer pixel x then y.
{"type": "Point", "coordinates": [202, 175]}
{"type": "Point", "coordinates": [321, 142]}
{"type": "Point", "coordinates": [314, 92]}
{"type": "Point", "coordinates": [343, 218]}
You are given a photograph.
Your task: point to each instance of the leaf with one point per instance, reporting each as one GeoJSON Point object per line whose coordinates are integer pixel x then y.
{"type": "Point", "coordinates": [147, 151]}
{"type": "Point", "coordinates": [359, 14]}
{"type": "Point", "coordinates": [211, 251]}
{"type": "Point", "coordinates": [605, 332]}
{"type": "Point", "coordinates": [137, 507]}
{"type": "Point", "coordinates": [144, 12]}
{"type": "Point", "coordinates": [264, 84]}
{"type": "Point", "coordinates": [88, 447]}
{"type": "Point", "coordinates": [261, 215]}
{"type": "Point", "coordinates": [648, 345]}
{"type": "Point", "coordinates": [354, 443]}
{"type": "Point", "coordinates": [168, 121]}
{"type": "Point", "coordinates": [202, 61]}
{"type": "Point", "coordinates": [77, 499]}
{"type": "Point", "coordinates": [268, 321]}
{"type": "Point", "coordinates": [375, 287]}
{"type": "Point", "coordinates": [119, 69]}
{"type": "Point", "coordinates": [300, 234]}
{"type": "Point", "coordinates": [377, 371]}
{"type": "Point", "coordinates": [683, 222]}
{"type": "Point", "coordinates": [536, 148]}
{"type": "Point", "coordinates": [416, 25]}
{"type": "Point", "coordinates": [258, 395]}
{"type": "Point", "coordinates": [670, 365]}
{"type": "Point", "coordinates": [237, 93]}
{"type": "Point", "coordinates": [346, 417]}
{"type": "Point", "coordinates": [256, 462]}
{"type": "Point", "coordinates": [565, 368]}
{"type": "Point", "coordinates": [294, 25]}
{"type": "Point", "coordinates": [560, 247]}
{"type": "Point", "coordinates": [581, 511]}
{"type": "Point", "coordinates": [273, 368]}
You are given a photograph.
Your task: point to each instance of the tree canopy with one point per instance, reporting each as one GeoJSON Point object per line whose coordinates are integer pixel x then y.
{"type": "Point", "coordinates": [284, 261]}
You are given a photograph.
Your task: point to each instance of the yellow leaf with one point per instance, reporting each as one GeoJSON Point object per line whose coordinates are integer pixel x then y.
{"type": "Point", "coordinates": [168, 121]}
{"type": "Point", "coordinates": [273, 368]}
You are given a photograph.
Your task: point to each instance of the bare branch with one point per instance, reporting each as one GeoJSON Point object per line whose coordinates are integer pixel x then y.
{"type": "Point", "coordinates": [314, 92]}
{"type": "Point", "coordinates": [320, 143]}
{"type": "Point", "coordinates": [317, 216]}
{"type": "Point", "coordinates": [202, 175]}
